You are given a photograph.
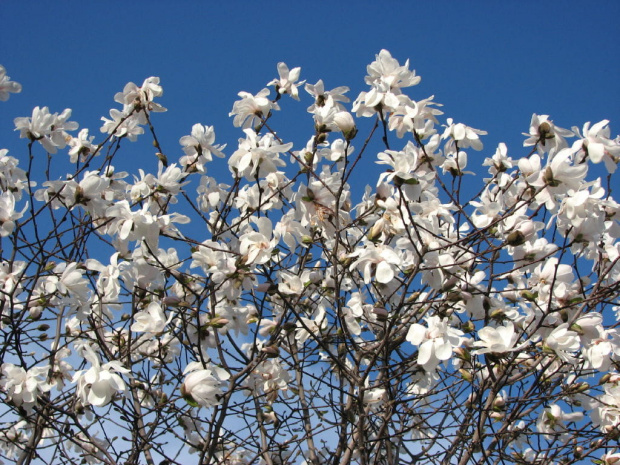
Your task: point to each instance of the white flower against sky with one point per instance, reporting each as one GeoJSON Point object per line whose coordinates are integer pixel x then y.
{"type": "Point", "coordinates": [596, 144]}
{"type": "Point", "coordinates": [7, 86]}
{"type": "Point", "coordinates": [331, 98]}
{"type": "Point", "coordinates": [435, 342]}
{"type": "Point", "coordinates": [141, 98]}
{"type": "Point", "coordinates": [8, 214]}
{"type": "Point", "coordinates": [287, 83]}
{"type": "Point", "coordinates": [376, 261]}
{"type": "Point", "coordinates": [386, 78]}
{"type": "Point", "coordinates": [257, 156]}
{"type": "Point", "coordinates": [563, 342]}
{"type": "Point", "coordinates": [50, 129]}
{"type": "Point", "coordinates": [81, 146]}
{"type": "Point", "coordinates": [100, 383]}
{"type": "Point", "coordinates": [545, 135]}
{"type": "Point", "coordinates": [554, 420]}
{"type": "Point", "coordinates": [199, 147]}
{"type": "Point", "coordinates": [22, 386]}
{"type": "Point", "coordinates": [151, 320]}
{"type": "Point", "coordinates": [256, 246]}
{"type": "Point", "coordinates": [203, 386]}
{"type": "Point", "coordinates": [497, 340]}
{"type": "Point", "coordinates": [251, 109]}
{"type": "Point", "coordinates": [122, 125]}
{"type": "Point", "coordinates": [463, 135]}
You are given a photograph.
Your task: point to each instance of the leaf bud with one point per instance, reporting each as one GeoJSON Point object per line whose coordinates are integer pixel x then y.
{"type": "Point", "coordinates": [271, 351]}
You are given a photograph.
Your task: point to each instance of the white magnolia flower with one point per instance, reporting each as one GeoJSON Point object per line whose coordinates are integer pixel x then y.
{"type": "Point", "coordinates": [152, 320]}
{"type": "Point", "coordinates": [7, 86]}
{"type": "Point", "coordinates": [203, 386]}
{"type": "Point", "coordinates": [463, 135]}
{"type": "Point", "coordinates": [256, 246]}
{"type": "Point", "coordinates": [552, 420]}
{"type": "Point", "coordinates": [435, 341]}
{"type": "Point", "coordinates": [100, 383]}
{"type": "Point", "coordinates": [563, 342]}
{"type": "Point", "coordinates": [50, 129]}
{"type": "Point", "coordinates": [497, 340]}
{"type": "Point", "coordinates": [378, 261]}
{"type": "Point", "coordinates": [199, 147]}
{"type": "Point", "coordinates": [287, 84]}
{"type": "Point", "coordinates": [21, 386]}
{"type": "Point", "coordinates": [251, 109]}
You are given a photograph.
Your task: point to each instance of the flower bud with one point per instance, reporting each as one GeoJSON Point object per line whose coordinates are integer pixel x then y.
{"type": "Point", "coordinates": [346, 124]}
{"type": "Point", "coordinates": [271, 351]}
{"type": "Point", "coordinates": [381, 313]}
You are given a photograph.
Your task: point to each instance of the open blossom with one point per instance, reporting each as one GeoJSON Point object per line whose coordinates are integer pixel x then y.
{"type": "Point", "coordinates": [22, 386]}
{"type": "Point", "coordinates": [100, 383]}
{"type": "Point", "coordinates": [330, 98]}
{"type": "Point", "coordinates": [122, 125]}
{"type": "Point", "coordinates": [251, 109]}
{"type": "Point", "coordinates": [199, 147]}
{"type": "Point", "coordinates": [606, 412]}
{"type": "Point", "coordinates": [81, 146]}
{"type": "Point", "coordinates": [463, 135]}
{"type": "Point", "coordinates": [8, 214]}
{"type": "Point", "coordinates": [50, 129]}
{"type": "Point", "coordinates": [596, 145]}
{"type": "Point", "coordinates": [497, 340]}
{"type": "Point", "coordinates": [378, 261]}
{"type": "Point", "coordinates": [435, 342]}
{"type": "Point", "coordinates": [386, 77]}
{"type": "Point", "coordinates": [256, 246]}
{"type": "Point", "coordinates": [151, 320]}
{"type": "Point", "coordinates": [203, 386]}
{"type": "Point", "coordinates": [563, 342]}
{"type": "Point", "coordinates": [7, 86]}
{"type": "Point", "coordinates": [141, 98]}
{"type": "Point", "coordinates": [553, 420]}
{"type": "Point", "coordinates": [545, 135]}
{"type": "Point", "coordinates": [257, 156]}
{"type": "Point", "coordinates": [287, 84]}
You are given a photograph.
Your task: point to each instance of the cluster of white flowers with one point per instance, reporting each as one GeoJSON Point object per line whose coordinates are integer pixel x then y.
{"type": "Point", "coordinates": [287, 295]}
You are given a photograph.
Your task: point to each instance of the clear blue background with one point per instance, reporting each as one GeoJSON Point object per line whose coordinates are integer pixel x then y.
{"type": "Point", "coordinates": [492, 64]}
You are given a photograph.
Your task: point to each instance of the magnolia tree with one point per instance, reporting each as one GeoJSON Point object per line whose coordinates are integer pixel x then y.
{"type": "Point", "coordinates": [286, 315]}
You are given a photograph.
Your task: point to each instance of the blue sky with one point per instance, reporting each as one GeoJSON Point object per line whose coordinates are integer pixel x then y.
{"type": "Point", "coordinates": [492, 64]}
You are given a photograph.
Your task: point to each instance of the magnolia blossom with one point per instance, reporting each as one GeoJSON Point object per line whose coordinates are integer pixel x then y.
{"type": "Point", "coordinates": [497, 340]}
{"type": "Point", "coordinates": [252, 108]}
{"type": "Point", "coordinates": [597, 146]}
{"type": "Point", "coordinates": [563, 342]}
{"type": "Point", "coordinates": [50, 129]}
{"type": "Point", "coordinates": [378, 261]}
{"type": "Point", "coordinates": [332, 98]}
{"type": "Point", "coordinates": [256, 246]}
{"type": "Point", "coordinates": [463, 135]}
{"type": "Point", "coordinates": [100, 383]}
{"type": "Point", "coordinates": [151, 320]}
{"type": "Point", "coordinates": [8, 214]}
{"type": "Point", "coordinates": [203, 386]}
{"type": "Point", "coordinates": [386, 77]}
{"type": "Point", "coordinates": [287, 84]}
{"type": "Point", "coordinates": [553, 420]}
{"type": "Point", "coordinates": [22, 386]}
{"type": "Point", "coordinates": [545, 135]}
{"type": "Point", "coordinates": [199, 147]}
{"type": "Point", "coordinates": [257, 156]}
{"type": "Point", "coordinates": [7, 86]}
{"type": "Point", "coordinates": [435, 342]}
